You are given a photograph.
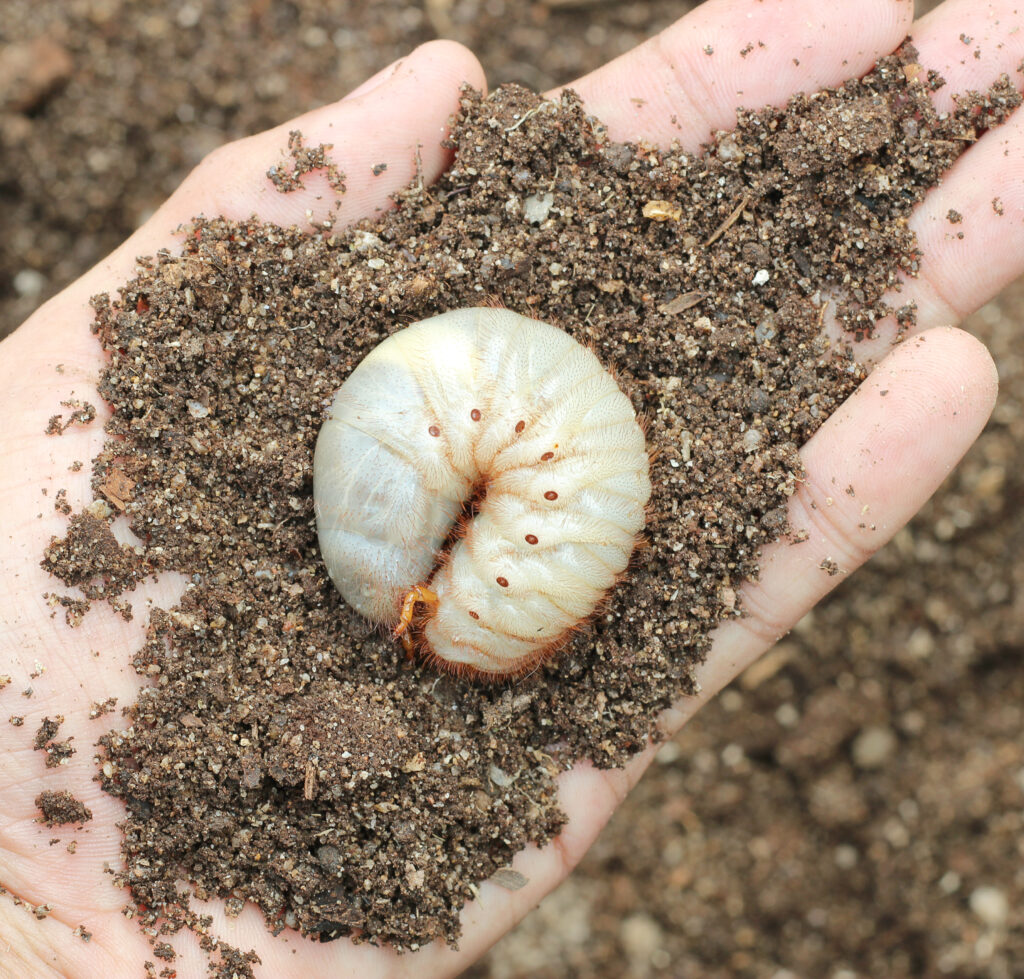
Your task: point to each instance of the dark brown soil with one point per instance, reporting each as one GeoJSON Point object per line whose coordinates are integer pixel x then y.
{"type": "Point", "coordinates": [61, 807]}
{"type": "Point", "coordinates": [105, 106]}
{"type": "Point", "coordinates": [57, 752]}
{"type": "Point", "coordinates": [222, 360]}
{"type": "Point", "coordinates": [928, 635]}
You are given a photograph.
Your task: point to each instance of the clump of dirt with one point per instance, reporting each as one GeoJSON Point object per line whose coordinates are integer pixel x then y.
{"type": "Point", "coordinates": [288, 755]}
{"type": "Point", "coordinates": [47, 731]}
{"type": "Point", "coordinates": [81, 413]}
{"type": "Point", "coordinates": [57, 752]}
{"type": "Point", "coordinates": [90, 558]}
{"type": "Point", "coordinates": [61, 807]}
{"type": "Point", "coordinates": [103, 707]}
{"type": "Point", "coordinates": [305, 160]}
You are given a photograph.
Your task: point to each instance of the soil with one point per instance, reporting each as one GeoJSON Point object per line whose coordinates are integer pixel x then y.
{"type": "Point", "coordinates": [62, 807]}
{"type": "Point", "coordinates": [223, 358]}
{"type": "Point", "coordinates": [105, 105]}
{"type": "Point", "coordinates": [57, 752]}
{"type": "Point", "coordinates": [718, 864]}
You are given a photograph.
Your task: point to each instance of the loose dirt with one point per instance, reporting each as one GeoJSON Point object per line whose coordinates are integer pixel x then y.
{"type": "Point", "coordinates": [288, 755]}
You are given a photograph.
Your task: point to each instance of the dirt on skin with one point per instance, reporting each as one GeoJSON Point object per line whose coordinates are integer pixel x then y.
{"type": "Point", "coordinates": [57, 752]}
{"type": "Point", "coordinates": [223, 359]}
{"type": "Point", "coordinates": [929, 622]}
{"type": "Point", "coordinates": [61, 807]}
{"type": "Point", "coordinates": [305, 160]}
{"type": "Point", "coordinates": [105, 105]}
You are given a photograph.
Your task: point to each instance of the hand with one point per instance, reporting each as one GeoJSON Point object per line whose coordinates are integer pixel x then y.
{"type": "Point", "coordinates": [941, 392]}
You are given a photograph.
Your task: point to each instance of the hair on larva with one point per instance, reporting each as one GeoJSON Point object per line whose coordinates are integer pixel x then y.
{"type": "Point", "coordinates": [480, 401]}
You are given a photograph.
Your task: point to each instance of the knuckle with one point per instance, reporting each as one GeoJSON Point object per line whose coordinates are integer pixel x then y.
{"type": "Point", "coordinates": [218, 157]}
{"type": "Point", "coordinates": [761, 618]}
{"type": "Point", "coordinates": [210, 172]}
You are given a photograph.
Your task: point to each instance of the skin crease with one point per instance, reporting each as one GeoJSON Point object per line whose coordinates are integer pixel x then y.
{"type": "Point", "coordinates": [470, 397]}
{"type": "Point", "coordinates": [941, 388]}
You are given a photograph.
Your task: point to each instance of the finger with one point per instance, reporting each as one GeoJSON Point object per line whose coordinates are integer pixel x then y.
{"type": "Point", "coordinates": [383, 134]}
{"type": "Point", "coordinates": [399, 123]}
{"type": "Point", "coordinates": [970, 43]}
{"type": "Point", "coordinates": [966, 263]}
{"type": "Point", "coordinates": [869, 469]}
{"type": "Point", "coordinates": [893, 448]}
{"type": "Point", "coordinates": [687, 81]}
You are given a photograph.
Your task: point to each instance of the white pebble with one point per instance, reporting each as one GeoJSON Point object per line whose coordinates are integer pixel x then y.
{"type": "Point", "coordinates": [29, 283]}
{"type": "Point", "coordinates": [949, 883]}
{"type": "Point", "coordinates": [364, 241]}
{"type": "Point", "coordinates": [990, 904]}
{"type": "Point", "coordinates": [732, 755]}
{"type": "Point", "coordinates": [846, 856]}
{"type": "Point", "coordinates": [751, 440]}
{"type": "Point", "coordinates": [188, 15]}
{"type": "Point", "coordinates": [641, 936]}
{"type": "Point", "coordinates": [536, 207]}
{"type": "Point", "coordinates": [729, 150]}
{"type": "Point", "coordinates": [668, 753]}
{"type": "Point", "coordinates": [787, 715]}
{"type": "Point", "coordinates": [873, 747]}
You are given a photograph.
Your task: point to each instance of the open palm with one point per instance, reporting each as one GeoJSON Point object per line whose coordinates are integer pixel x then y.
{"type": "Point", "coordinates": [940, 393]}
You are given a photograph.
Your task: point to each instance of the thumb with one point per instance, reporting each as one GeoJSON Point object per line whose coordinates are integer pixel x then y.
{"type": "Point", "coordinates": [381, 135]}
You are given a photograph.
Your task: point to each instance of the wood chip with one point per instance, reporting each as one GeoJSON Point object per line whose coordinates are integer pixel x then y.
{"type": "Point", "coordinates": [510, 879]}
{"type": "Point", "coordinates": [682, 302]}
{"type": "Point", "coordinates": [117, 488]}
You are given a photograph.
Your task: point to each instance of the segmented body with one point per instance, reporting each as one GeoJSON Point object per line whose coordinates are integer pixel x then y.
{"type": "Point", "coordinates": [489, 404]}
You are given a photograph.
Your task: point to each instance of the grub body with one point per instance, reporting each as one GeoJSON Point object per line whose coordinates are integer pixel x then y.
{"type": "Point", "coordinates": [489, 405]}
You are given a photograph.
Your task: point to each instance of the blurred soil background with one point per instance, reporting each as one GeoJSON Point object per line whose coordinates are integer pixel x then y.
{"type": "Point", "coordinates": [853, 805]}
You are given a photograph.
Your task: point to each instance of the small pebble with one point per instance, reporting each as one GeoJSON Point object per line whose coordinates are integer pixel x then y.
{"type": "Point", "coordinates": [29, 283]}
{"type": "Point", "coordinates": [640, 935]}
{"type": "Point", "coordinates": [990, 905]}
{"type": "Point", "coordinates": [873, 747]}
{"type": "Point", "coordinates": [846, 856]}
{"type": "Point", "coordinates": [949, 883]}
{"type": "Point", "coordinates": [537, 206]}
{"type": "Point", "coordinates": [765, 330]}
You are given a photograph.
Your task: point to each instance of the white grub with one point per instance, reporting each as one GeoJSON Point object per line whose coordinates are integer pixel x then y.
{"type": "Point", "coordinates": [489, 405]}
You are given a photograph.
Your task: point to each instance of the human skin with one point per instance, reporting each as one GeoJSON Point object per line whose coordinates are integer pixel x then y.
{"type": "Point", "coordinates": [941, 386]}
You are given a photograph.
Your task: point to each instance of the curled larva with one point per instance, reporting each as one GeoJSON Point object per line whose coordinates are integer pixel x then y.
{"type": "Point", "coordinates": [488, 406]}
